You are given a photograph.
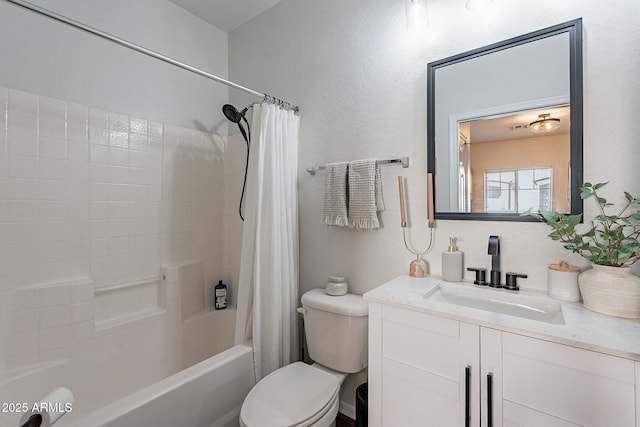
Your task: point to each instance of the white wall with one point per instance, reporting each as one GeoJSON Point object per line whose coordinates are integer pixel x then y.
{"type": "Point", "coordinates": [43, 56]}
{"type": "Point", "coordinates": [360, 80]}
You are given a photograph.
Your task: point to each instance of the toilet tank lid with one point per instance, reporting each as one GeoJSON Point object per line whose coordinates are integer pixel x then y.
{"type": "Point", "coordinates": [349, 304]}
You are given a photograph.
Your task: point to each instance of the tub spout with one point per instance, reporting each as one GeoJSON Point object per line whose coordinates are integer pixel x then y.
{"type": "Point", "coordinates": [34, 420]}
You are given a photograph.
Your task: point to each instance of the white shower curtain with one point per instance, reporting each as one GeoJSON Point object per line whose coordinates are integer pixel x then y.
{"type": "Point", "coordinates": [268, 283]}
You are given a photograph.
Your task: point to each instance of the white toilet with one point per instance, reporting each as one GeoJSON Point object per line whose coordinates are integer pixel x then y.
{"type": "Point", "coordinates": [301, 395]}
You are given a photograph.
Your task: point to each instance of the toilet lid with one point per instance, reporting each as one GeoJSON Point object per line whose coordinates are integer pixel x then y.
{"type": "Point", "coordinates": [289, 396]}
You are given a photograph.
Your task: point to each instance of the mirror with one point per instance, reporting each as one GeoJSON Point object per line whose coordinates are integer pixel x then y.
{"type": "Point", "coordinates": [505, 127]}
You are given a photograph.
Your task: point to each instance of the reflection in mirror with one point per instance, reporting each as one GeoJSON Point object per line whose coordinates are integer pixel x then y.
{"type": "Point", "coordinates": [505, 127]}
{"type": "Point", "coordinates": [506, 164]}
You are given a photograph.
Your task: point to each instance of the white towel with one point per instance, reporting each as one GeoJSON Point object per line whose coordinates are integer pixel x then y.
{"type": "Point", "coordinates": [334, 207]}
{"type": "Point", "coordinates": [365, 194]}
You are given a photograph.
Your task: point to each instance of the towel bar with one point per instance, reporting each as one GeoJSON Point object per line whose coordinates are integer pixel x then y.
{"type": "Point", "coordinates": [404, 161]}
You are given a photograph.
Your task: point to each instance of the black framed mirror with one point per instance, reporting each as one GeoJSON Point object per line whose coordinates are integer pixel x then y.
{"type": "Point", "coordinates": [504, 130]}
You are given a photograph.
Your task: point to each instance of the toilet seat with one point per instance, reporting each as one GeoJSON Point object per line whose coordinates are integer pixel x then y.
{"type": "Point", "coordinates": [296, 395]}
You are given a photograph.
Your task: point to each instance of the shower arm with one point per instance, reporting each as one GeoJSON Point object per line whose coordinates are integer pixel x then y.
{"type": "Point", "coordinates": [79, 25]}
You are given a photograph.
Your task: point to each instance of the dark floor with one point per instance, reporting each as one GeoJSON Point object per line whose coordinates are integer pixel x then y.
{"type": "Point", "coordinates": [344, 421]}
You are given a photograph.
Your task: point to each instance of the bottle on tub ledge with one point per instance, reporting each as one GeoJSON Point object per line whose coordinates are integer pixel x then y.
{"type": "Point", "coordinates": [220, 296]}
{"type": "Point", "coordinates": [452, 263]}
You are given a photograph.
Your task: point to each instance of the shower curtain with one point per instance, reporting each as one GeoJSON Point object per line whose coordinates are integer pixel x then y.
{"type": "Point", "coordinates": [268, 283]}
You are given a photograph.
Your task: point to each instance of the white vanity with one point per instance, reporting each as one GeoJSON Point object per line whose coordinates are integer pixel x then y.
{"type": "Point", "coordinates": [436, 358]}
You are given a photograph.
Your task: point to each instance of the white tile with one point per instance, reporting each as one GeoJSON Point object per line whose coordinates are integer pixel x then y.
{"type": "Point", "coordinates": [53, 296]}
{"type": "Point", "coordinates": [23, 189]}
{"type": "Point", "coordinates": [54, 169]}
{"type": "Point", "coordinates": [82, 332]}
{"type": "Point", "coordinates": [118, 156]}
{"type": "Point", "coordinates": [98, 118]}
{"type": "Point", "coordinates": [119, 192]}
{"type": "Point", "coordinates": [119, 122]}
{"type": "Point", "coordinates": [21, 233]}
{"type": "Point", "coordinates": [118, 138]}
{"type": "Point", "coordinates": [20, 143]}
{"type": "Point", "coordinates": [23, 166]}
{"type": "Point", "coordinates": [99, 173]}
{"type": "Point", "coordinates": [138, 125]}
{"type": "Point", "coordinates": [51, 107]}
{"type": "Point", "coordinates": [51, 339]}
{"type": "Point", "coordinates": [19, 122]}
{"type": "Point", "coordinates": [51, 252]}
{"type": "Point", "coordinates": [54, 317]}
{"type": "Point", "coordinates": [22, 322]}
{"type": "Point", "coordinates": [155, 129]}
{"type": "Point", "coordinates": [53, 355]}
{"type": "Point", "coordinates": [98, 135]}
{"type": "Point", "coordinates": [82, 312]}
{"type": "Point", "coordinates": [138, 142]}
{"type": "Point", "coordinates": [23, 101]}
{"type": "Point", "coordinates": [23, 345]}
{"type": "Point", "coordinates": [99, 154]}
{"type": "Point", "coordinates": [52, 127]}
{"type": "Point", "coordinates": [82, 292]}
{"type": "Point", "coordinates": [53, 210]}
{"type": "Point", "coordinates": [77, 150]}
{"type": "Point", "coordinates": [22, 255]}
{"type": "Point", "coordinates": [52, 148]}
{"type": "Point", "coordinates": [54, 190]}
{"type": "Point", "coordinates": [19, 277]}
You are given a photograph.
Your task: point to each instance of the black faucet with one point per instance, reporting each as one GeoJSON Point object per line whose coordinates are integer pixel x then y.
{"type": "Point", "coordinates": [494, 251]}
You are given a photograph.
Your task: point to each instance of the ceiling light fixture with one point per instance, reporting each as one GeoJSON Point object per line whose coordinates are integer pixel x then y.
{"type": "Point", "coordinates": [477, 4]}
{"type": "Point", "coordinates": [545, 123]}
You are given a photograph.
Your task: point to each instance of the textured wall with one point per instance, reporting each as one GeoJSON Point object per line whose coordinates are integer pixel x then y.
{"type": "Point", "coordinates": [359, 77]}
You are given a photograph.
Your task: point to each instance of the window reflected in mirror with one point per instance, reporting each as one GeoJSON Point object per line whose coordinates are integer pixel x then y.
{"type": "Point", "coordinates": [516, 162]}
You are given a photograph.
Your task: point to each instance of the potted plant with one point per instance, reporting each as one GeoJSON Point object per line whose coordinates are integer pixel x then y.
{"type": "Point", "coordinates": [611, 243]}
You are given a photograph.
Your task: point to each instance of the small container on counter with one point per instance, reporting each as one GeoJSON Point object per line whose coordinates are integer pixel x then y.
{"type": "Point", "coordinates": [336, 286]}
{"type": "Point", "coordinates": [562, 282]}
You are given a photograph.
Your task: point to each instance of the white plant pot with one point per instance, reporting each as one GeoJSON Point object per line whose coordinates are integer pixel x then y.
{"type": "Point", "coordinates": [614, 291]}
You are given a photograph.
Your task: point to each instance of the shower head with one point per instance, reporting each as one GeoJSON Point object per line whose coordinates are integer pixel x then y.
{"type": "Point", "coordinates": [232, 113]}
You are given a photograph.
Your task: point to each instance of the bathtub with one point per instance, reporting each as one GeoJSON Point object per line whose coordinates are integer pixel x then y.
{"type": "Point", "coordinates": [206, 333]}
{"type": "Point", "coordinates": [208, 394]}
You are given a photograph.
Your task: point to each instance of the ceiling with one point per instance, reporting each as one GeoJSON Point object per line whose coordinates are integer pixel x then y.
{"type": "Point", "coordinates": [226, 14]}
{"type": "Point", "coordinates": [516, 126]}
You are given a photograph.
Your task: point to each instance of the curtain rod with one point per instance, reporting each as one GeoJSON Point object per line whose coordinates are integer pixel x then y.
{"type": "Point", "coordinates": [79, 25]}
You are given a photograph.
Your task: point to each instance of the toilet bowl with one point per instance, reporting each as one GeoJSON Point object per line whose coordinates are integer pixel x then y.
{"type": "Point", "coordinates": [301, 395]}
{"type": "Point", "coordinates": [297, 395]}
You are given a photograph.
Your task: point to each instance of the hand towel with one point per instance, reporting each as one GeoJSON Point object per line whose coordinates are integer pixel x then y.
{"type": "Point", "coordinates": [365, 194]}
{"type": "Point", "coordinates": [334, 207]}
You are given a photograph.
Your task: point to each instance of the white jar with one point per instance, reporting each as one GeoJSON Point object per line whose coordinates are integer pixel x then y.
{"type": "Point", "coordinates": [336, 286]}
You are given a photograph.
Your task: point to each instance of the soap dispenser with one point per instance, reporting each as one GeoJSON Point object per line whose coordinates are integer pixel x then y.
{"type": "Point", "coordinates": [452, 263]}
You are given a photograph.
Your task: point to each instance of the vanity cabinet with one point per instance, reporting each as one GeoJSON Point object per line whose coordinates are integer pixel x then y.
{"type": "Point", "coordinates": [429, 370]}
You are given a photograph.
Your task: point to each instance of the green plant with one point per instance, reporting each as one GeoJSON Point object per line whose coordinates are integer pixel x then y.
{"type": "Point", "coordinates": [611, 240]}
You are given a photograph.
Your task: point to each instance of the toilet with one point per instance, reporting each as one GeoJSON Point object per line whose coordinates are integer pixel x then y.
{"type": "Point", "coordinates": [301, 395]}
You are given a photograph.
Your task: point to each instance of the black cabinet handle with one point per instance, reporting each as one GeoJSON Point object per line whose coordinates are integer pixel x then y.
{"type": "Point", "coordinates": [467, 396]}
{"type": "Point", "coordinates": [489, 399]}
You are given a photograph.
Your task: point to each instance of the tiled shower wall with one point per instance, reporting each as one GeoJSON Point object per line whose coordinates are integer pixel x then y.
{"type": "Point", "coordinates": [88, 193]}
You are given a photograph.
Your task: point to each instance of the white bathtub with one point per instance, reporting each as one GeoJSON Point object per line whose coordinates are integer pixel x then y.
{"type": "Point", "coordinates": [207, 333]}
{"type": "Point", "coordinates": [208, 394]}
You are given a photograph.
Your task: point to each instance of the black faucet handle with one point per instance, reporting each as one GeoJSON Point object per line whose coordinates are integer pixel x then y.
{"type": "Point", "coordinates": [481, 276]}
{"type": "Point", "coordinates": [512, 281]}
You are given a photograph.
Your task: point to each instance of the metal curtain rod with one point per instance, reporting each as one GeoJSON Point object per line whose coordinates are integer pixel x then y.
{"type": "Point", "coordinates": [404, 161]}
{"type": "Point", "coordinates": [79, 25]}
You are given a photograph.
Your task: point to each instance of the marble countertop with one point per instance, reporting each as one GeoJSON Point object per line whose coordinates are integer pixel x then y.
{"type": "Point", "coordinates": [582, 328]}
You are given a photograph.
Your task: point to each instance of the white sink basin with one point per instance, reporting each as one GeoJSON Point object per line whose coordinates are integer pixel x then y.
{"type": "Point", "coordinates": [535, 307]}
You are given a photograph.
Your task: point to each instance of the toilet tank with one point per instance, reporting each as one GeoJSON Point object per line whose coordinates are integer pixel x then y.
{"type": "Point", "coordinates": [336, 329]}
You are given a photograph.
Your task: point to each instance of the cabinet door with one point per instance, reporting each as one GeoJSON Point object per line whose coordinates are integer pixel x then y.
{"type": "Point", "coordinates": [552, 384]}
{"type": "Point", "coordinates": [429, 370]}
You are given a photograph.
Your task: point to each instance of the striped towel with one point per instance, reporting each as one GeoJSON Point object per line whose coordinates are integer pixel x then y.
{"type": "Point", "coordinates": [365, 194]}
{"type": "Point", "coordinates": [334, 207]}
